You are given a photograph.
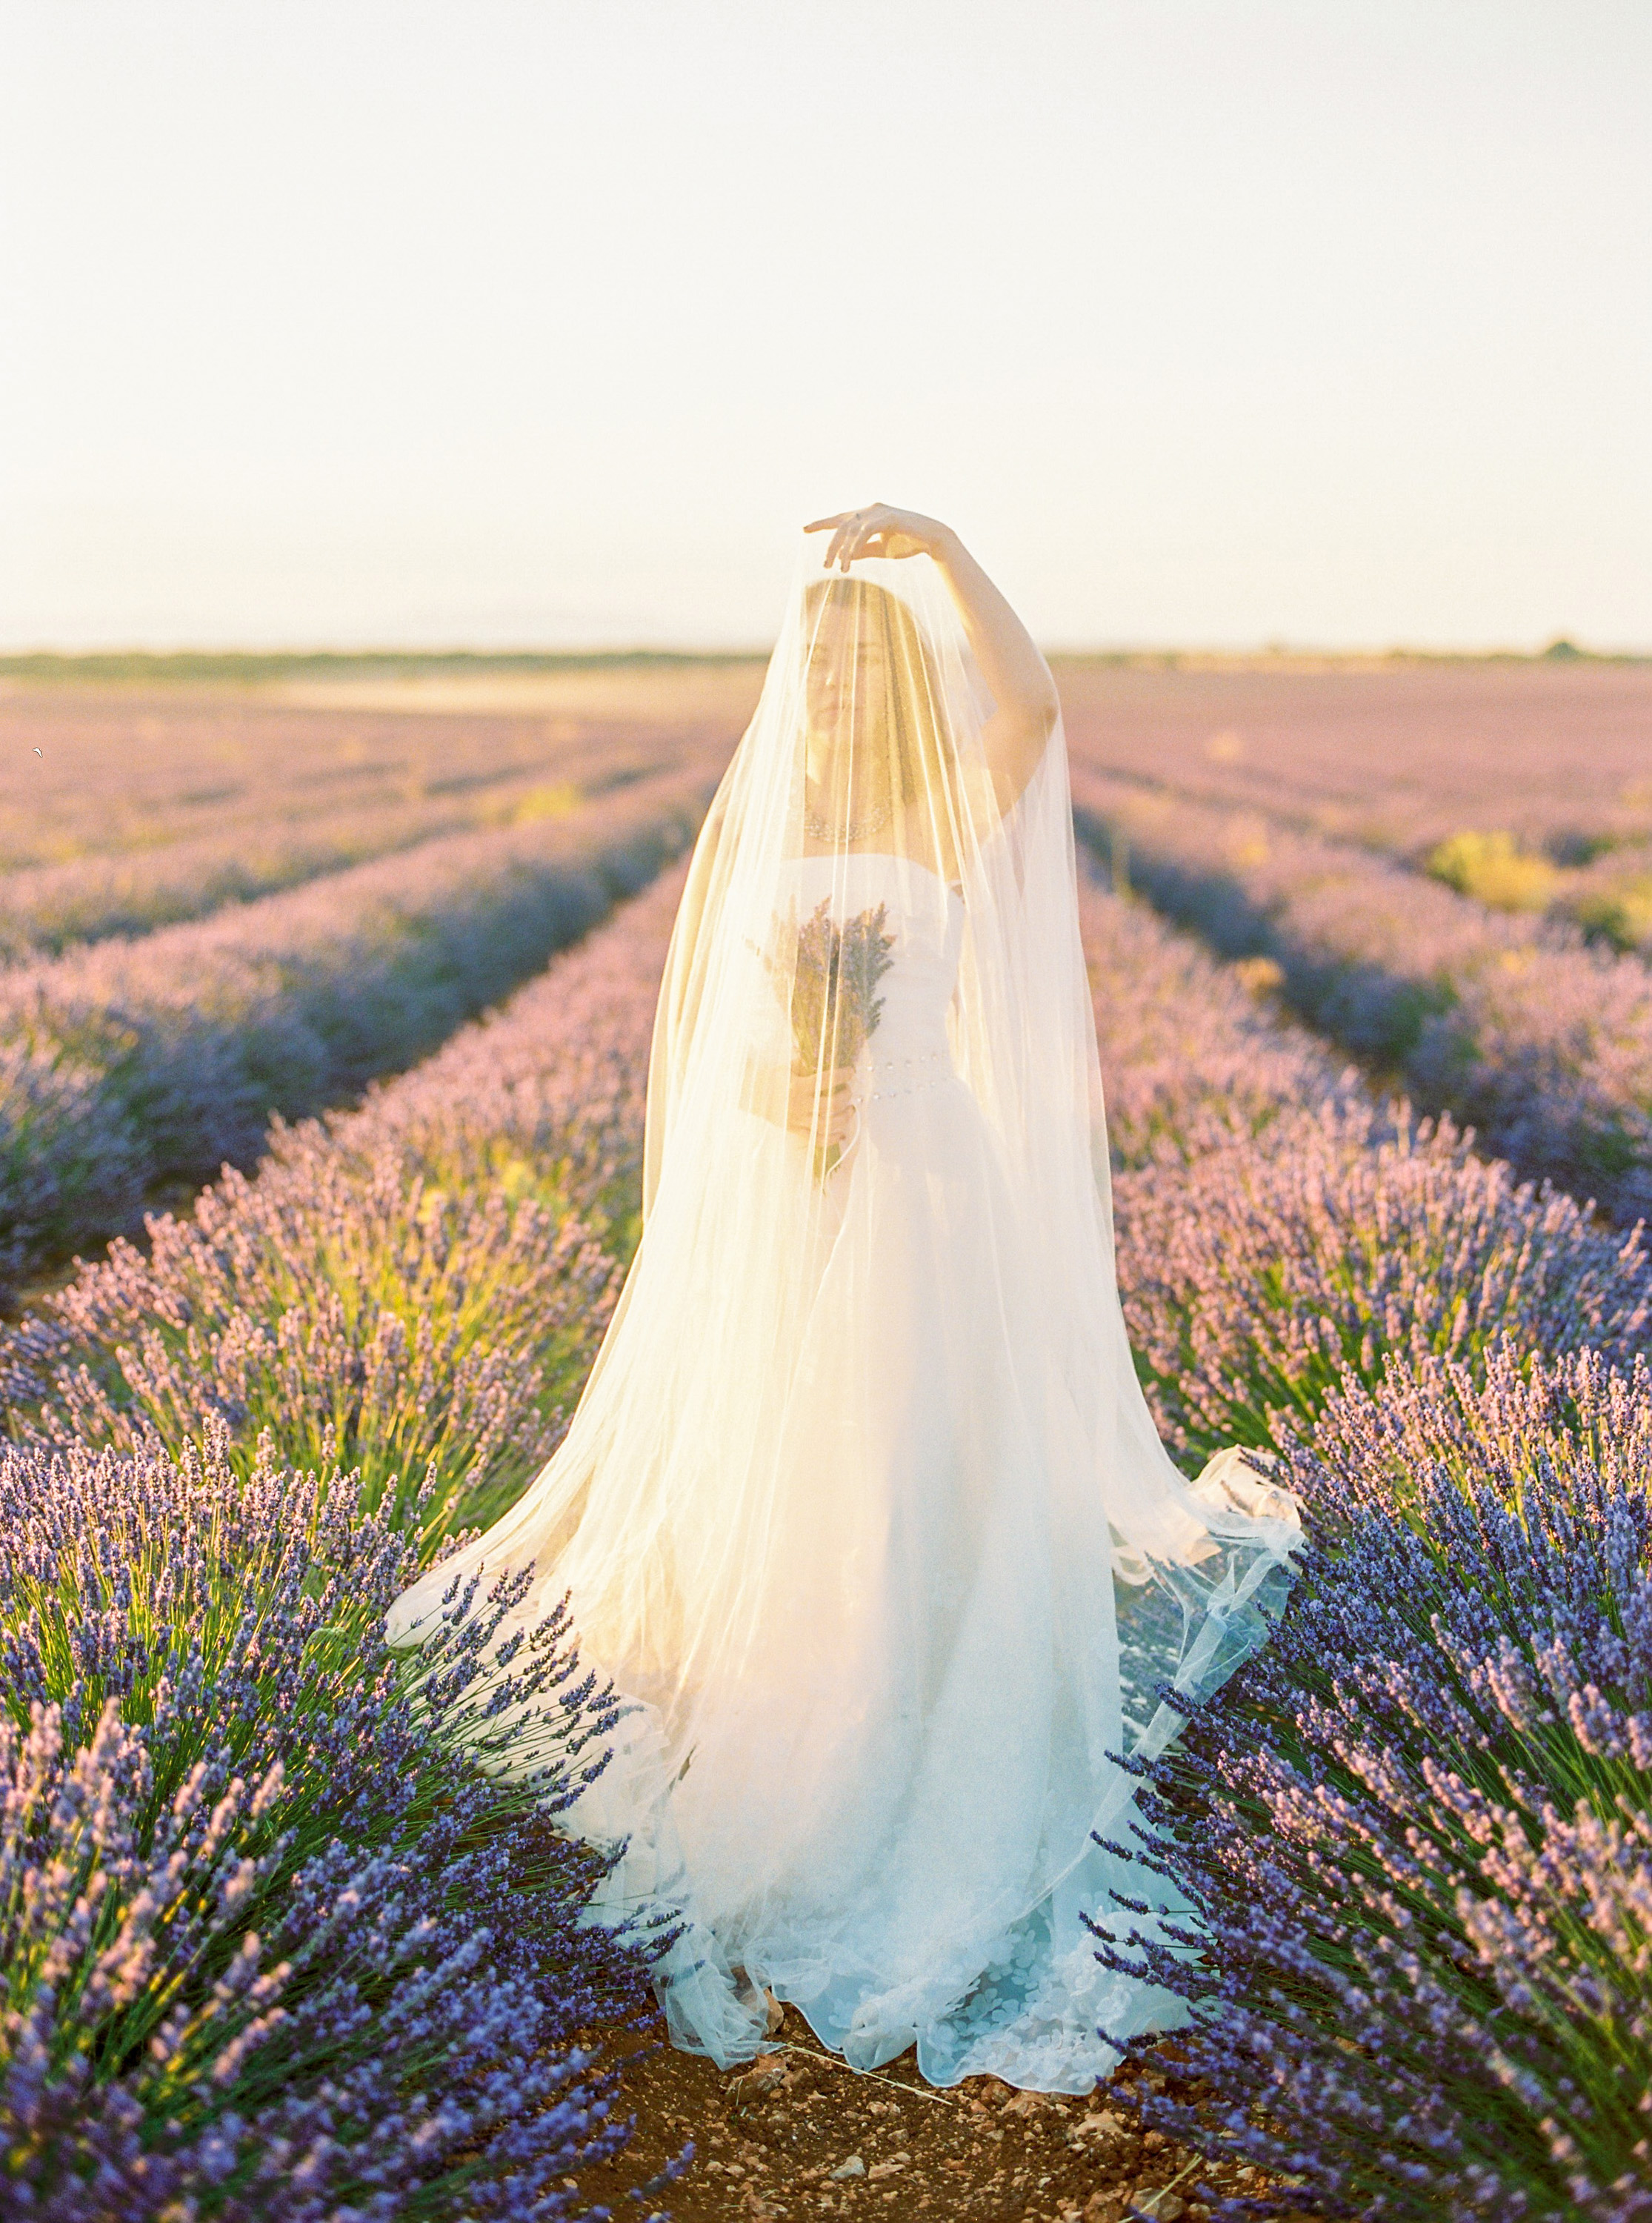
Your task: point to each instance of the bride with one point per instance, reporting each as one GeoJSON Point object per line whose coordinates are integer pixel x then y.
{"type": "Point", "coordinates": [863, 1509]}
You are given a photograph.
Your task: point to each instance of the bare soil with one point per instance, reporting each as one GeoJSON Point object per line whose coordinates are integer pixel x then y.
{"type": "Point", "coordinates": [800, 2134]}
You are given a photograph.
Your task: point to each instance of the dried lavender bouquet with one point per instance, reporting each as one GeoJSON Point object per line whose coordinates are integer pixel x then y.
{"type": "Point", "coordinates": [826, 975]}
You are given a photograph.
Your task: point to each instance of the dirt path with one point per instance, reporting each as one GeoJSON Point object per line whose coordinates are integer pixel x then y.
{"type": "Point", "coordinates": [802, 2136]}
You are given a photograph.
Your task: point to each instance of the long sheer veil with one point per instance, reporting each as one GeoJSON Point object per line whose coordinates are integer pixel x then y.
{"type": "Point", "coordinates": [868, 1390]}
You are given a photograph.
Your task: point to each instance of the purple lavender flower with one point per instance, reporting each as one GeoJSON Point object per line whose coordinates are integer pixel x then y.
{"type": "Point", "coordinates": [287, 821]}
{"type": "Point", "coordinates": [1420, 1968]}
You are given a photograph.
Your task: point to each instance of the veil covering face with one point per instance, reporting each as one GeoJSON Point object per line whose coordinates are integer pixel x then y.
{"type": "Point", "coordinates": [863, 1509]}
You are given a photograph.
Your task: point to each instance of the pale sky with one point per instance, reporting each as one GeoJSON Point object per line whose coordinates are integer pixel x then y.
{"type": "Point", "coordinates": [1203, 321]}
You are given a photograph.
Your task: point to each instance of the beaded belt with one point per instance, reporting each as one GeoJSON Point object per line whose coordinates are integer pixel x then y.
{"type": "Point", "coordinates": [905, 1076]}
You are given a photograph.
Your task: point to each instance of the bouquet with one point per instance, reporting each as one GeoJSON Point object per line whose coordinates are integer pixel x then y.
{"type": "Point", "coordinates": [826, 975]}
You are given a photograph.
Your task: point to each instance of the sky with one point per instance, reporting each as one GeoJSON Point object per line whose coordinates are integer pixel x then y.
{"type": "Point", "coordinates": [1204, 322]}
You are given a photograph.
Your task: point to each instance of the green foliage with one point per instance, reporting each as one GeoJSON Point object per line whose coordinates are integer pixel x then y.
{"type": "Point", "coordinates": [1494, 870]}
{"type": "Point", "coordinates": [1620, 915]}
{"type": "Point", "coordinates": [252, 668]}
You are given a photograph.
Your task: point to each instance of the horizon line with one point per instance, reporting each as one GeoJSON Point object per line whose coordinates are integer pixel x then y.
{"type": "Point", "coordinates": [42, 661]}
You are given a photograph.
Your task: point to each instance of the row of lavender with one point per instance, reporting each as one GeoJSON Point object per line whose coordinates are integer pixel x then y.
{"type": "Point", "coordinates": [129, 1065]}
{"type": "Point", "coordinates": [423, 1283]}
{"type": "Point", "coordinates": [271, 1945]}
{"type": "Point", "coordinates": [46, 909]}
{"type": "Point", "coordinates": [1543, 1043]}
{"type": "Point", "coordinates": [1421, 1978]}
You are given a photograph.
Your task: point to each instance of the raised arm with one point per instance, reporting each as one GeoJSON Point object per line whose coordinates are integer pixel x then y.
{"type": "Point", "coordinates": [1019, 679]}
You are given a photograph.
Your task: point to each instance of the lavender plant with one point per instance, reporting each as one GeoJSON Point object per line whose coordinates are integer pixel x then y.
{"type": "Point", "coordinates": [273, 1943]}
{"type": "Point", "coordinates": [1610, 897]}
{"type": "Point", "coordinates": [826, 973]}
{"type": "Point", "coordinates": [1275, 1227]}
{"type": "Point", "coordinates": [1286, 1266]}
{"type": "Point", "coordinates": [437, 1234]}
{"type": "Point", "coordinates": [351, 1308]}
{"type": "Point", "coordinates": [1415, 1834]}
{"type": "Point", "coordinates": [183, 1045]}
{"type": "Point", "coordinates": [59, 1165]}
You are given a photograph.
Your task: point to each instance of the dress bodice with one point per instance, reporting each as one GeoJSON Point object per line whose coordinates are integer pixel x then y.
{"type": "Point", "coordinates": [908, 1048]}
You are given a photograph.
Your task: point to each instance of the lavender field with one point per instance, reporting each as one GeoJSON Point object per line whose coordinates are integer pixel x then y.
{"type": "Point", "coordinates": [355, 763]}
{"type": "Point", "coordinates": [236, 1841]}
{"type": "Point", "coordinates": [292, 899]}
{"type": "Point", "coordinates": [1526, 786]}
{"type": "Point", "coordinates": [1393, 754]}
{"type": "Point", "coordinates": [1539, 1039]}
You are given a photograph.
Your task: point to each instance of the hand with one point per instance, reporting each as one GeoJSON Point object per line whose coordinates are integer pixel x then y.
{"type": "Point", "coordinates": [823, 1108]}
{"type": "Point", "coordinates": [879, 530]}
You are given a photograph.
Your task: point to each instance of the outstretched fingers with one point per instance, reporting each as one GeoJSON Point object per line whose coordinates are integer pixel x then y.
{"type": "Point", "coordinates": [854, 532]}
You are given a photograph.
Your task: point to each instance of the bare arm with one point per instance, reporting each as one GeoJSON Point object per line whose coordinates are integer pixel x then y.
{"type": "Point", "coordinates": [1023, 693]}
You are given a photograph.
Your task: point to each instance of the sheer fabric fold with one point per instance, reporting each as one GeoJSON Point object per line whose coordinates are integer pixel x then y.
{"type": "Point", "coordinates": [863, 1509]}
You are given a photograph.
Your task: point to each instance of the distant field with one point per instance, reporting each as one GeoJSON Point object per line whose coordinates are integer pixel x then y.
{"type": "Point", "coordinates": [1524, 784]}
{"type": "Point", "coordinates": [197, 667]}
{"type": "Point", "coordinates": [142, 754]}
{"type": "Point", "coordinates": [1395, 756]}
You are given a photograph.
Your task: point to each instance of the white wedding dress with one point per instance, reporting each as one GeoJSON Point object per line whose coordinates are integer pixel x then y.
{"type": "Point", "coordinates": [863, 1509]}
